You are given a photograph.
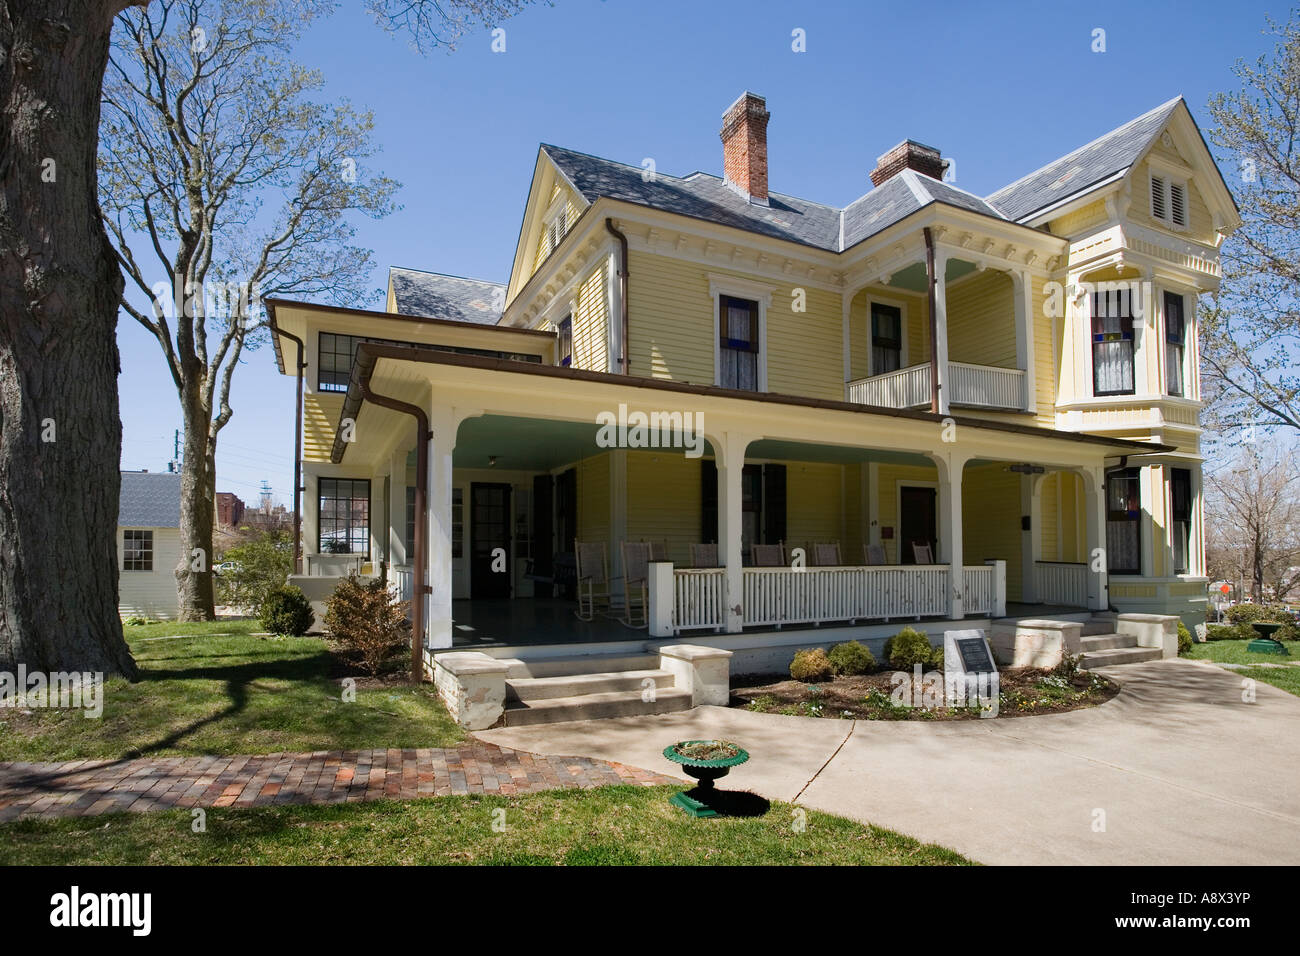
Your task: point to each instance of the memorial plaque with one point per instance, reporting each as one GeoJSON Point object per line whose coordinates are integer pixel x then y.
{"type": "Point", "coordinates": [975, 657]}
{"type": "Point", "coordinates": [969, 672]}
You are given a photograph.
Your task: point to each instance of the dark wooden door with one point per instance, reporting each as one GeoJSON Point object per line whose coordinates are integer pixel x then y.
{"type": "Point", "coordinates": [489, 569]}
{"type": "Point", "coordinates": [917, 522]}
{"type": "Point", "coordinates": [543, 533]}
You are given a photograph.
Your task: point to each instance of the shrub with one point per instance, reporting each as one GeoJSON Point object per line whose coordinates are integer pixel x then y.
{"type": "Point", "coordinates": [908, 648]}
{"type": "Point", "coordinates": [936, 660]}
{"type": "Point", "coordinates": [852, 657]}
{"type": "Point", "coordinates": [135, 621]}
{"type": "Point", "coordinates": [260, 566]}
{"type": "Point", "coordinates": [1245, 613]}
{"type": "Point", "coordinates": [286, 610]}
{"type": "Point", "coordinates": [1184, 639]}
{"type": "Point", "coordinates": [1068, 667]}
{"type": "Point", "coordinates": [1221, 632]}
{"type": "Point", "coordinates": [369, 620]}
{"type": "Point", "coordinates": [811, 665]}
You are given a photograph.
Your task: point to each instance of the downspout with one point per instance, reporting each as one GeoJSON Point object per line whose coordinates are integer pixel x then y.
{"type": "Point", "coordinates": [931, 282]}
{"type": "Point", "coordinates": [622, 294]}
{"type": "Point", "coordinates": [418, 588]}
{"type": "Point", "coordinates": [297, 446]}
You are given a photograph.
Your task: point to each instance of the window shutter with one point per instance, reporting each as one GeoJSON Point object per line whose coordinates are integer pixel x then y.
{"type": "Point", "coordinates": [773, 504]}
{"type": "Point", "coordinates": [1158, 198]}
{"type": "Point", "coordinates": [708, 501]}
{"type": "Point", "coordinates": [1178, 204]}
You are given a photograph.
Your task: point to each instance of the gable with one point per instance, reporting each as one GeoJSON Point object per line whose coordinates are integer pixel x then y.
{"type": "Point", "coordinates": [549, 193]}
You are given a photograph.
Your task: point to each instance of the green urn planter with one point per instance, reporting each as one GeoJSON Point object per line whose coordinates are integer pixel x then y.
{"type": "Point", "coordinates": [706, 761]}
{"type": "Point", "coordinates": [1266, 643]}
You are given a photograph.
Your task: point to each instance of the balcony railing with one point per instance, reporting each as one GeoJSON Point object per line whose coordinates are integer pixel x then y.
{"type": "Point", "coordinates": [972, 386]}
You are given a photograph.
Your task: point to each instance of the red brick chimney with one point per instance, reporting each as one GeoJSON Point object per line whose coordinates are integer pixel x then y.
{"type": "Point", "coordinates": [908, 155]}
{"type": "Point", "coordinates": [744, 147]}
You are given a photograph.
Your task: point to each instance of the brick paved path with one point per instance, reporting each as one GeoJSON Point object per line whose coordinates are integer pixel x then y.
{"type": "Point", "coordinates": [90, 787]}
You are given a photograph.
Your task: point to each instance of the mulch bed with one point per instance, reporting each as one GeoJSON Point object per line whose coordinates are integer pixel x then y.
{"type": "Point", "coordinates": [867, 697]}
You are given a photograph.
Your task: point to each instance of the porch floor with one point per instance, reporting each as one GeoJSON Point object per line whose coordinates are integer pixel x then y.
{"type": "Point", "coordinates": [507, 622]}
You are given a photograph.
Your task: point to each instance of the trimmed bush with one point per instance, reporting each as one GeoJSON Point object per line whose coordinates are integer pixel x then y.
{"type": "Point", "coordinates": [369, 620]}
{"type": "Point", "coordinates": [811, 666]}
{"type": "Point", "coordinates": [1184, 639]}
{"type": "Point", "coordinates": [852, 657]}
{"type": "Point", "coordinates": [286, 610]}
{"type": "Point", "coordinates": [908, 648]}
{"type": "Point", "coordinates": [1240, 613]}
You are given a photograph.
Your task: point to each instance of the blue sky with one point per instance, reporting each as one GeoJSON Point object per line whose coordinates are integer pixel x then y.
{"type": "Point", "coordinates": [987, 83]}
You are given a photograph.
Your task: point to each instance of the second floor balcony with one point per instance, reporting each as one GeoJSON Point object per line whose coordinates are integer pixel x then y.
{"type": "Point", "coordinates": [967, 385]}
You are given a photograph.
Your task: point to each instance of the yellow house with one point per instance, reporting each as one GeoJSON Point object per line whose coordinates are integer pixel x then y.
{"type": "Point", "coordinates": [741, 412]}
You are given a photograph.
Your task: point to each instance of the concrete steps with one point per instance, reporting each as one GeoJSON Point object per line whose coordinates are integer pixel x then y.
{"type": "Point", "coordinates": [1100, 649]}
{"type": "Point", "coordinates": [576, 685]}
{"type": "Point", "coordinates": [546, 690]}
{"type": "Point", "coordinates": [627, 703]}
{"type": "Point", "coordinates": [1099, 624]}
{"type": "Point", "coordinates": [541, 667]}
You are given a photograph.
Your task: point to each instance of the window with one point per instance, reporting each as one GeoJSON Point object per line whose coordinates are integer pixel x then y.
{"type": "Point", "coordinates": [1112, 342]}
{"type": "Point", "coordinates": [1123, 522]}
{"type": "Point", "coordinates": [555, 230]}
{"type": "Point", "coordinates": [137, 550]}
{"type": "Point", "coordinates": [564, 347]}
{"type": "Point", "coordinates": [1175, 343]}
{"type": "Point", "coordinates": [738, 343]}
{"type": "Point", "coordinates": [344, 510]}
{"type": "Point", "coordinates": [337, 353]}
{"type": "Point", "coordinates": [886, 338]}
{"type": "Point", "coordinates": [1169, 202]}
{"type": "Point", "coordinates": [1180, 493]}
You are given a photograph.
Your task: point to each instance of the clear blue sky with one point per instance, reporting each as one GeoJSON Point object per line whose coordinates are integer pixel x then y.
{"type": "Point", "coordinates": [987, 83]}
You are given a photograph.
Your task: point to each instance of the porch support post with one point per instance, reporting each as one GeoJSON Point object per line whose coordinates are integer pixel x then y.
{"type": "Point", "coordinates": [950, 466]}
{"type": "Point", "coordinates": [442, 426]}
{"type": "Point", "coordinates": [940, 325]}
{"type": "Point", "coordinates": [729, 451]}
{"type": "Point", "coordinates": [1024, 303]}
{"type": "Point", "coordinates": [1148, 487]}
{"type": "Point", "coordinates": [1031, 538]}
{"type": "Point", "coordinates": [1094, 485]}
{"type": "Point", "coordinates": [397, 508]}
{"type": "Point", "coordinates": [1196, 544]}
{"type": "Point", "coordinates": [846, 307]}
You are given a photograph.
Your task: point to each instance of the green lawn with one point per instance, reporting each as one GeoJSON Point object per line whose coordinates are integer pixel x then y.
{"type": "Point", "coordinates": [1234, 652]}
{"type": "Point", "coordinates": [608, 826]}
{"type": "Point", "coordinates": [214, 688]}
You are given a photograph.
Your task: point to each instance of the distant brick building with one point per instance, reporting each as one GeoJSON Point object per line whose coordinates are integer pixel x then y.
{"type": "Point", "coordinates": [230, 509]}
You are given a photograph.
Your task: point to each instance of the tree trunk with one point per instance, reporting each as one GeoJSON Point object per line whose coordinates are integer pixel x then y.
{"type": "Point", "coordinates": [60, 430]}
{"type": "Point", "coordinates": [198, 503]}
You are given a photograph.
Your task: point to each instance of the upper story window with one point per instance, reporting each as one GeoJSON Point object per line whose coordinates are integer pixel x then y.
{"type": "Point", "coordinates": [137, 550]}
{"type": "Point", "coordinates": [1123, 522]}
{"type": "Point", "coordinates": [738, 346]}
{"type": "Point", "coordinates": [1175, 344]}
{"type": "Point", "coordinates": [564, 345]}
{"type": "Point", "coordinates": [1169, 202]}
{"type": "Point", "coordinates": [1112, 342]}
{"type": "Point", "coordinates": [886, 338]}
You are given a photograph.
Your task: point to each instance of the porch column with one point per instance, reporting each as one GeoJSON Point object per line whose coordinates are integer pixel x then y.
{"type": "Point", "coordinates": [940, 343]}
{"type": "Point", "coordinates": [729, 453]}
{"type": "Point", "coordinates": [1031, 541]}
{"type": "Point", "coordinates": [1148, 487]}
{"type": "Point", "coordinates": [1196, 542]}
{"type": "Point", "coordinates": [397, 508]}
{"type": "Point", "coordinates": [1024, 303]}
{"type": "Point", "coordinates": [1094, 493]}
{"type": "Point", "coordinates": [442, 426]}
{"type": "Point", "coordinates": [950, 466]}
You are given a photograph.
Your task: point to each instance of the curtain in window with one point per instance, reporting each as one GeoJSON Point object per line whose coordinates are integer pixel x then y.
{"type": "Point", "coordinates": [738, 350]}
{"type": "Point", "coordinates": [886, 339]}
{"type": "Point", "coordinates": [1112, 343]}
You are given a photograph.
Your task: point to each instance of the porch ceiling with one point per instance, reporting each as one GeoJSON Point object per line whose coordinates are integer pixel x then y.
{"type": "Point", "coordinates": [528, 444]}
{"type": "Point", "coordinates": [913, 277]}
{"type": "Point", "coordinates": [834, 454]}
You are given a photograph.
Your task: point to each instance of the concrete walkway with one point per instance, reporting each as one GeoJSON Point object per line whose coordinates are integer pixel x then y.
{"type": "Point", "coordinates": [1177, 769]}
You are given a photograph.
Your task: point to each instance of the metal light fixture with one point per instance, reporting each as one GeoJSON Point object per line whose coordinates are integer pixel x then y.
{"type": "Point", "coordinates": [1026, 469]}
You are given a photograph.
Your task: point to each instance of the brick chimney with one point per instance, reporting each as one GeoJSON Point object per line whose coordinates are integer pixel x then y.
{"type": "Point", "coordinates": [744, 147]}
{"type": "Point", "coordinates": [908, 155]}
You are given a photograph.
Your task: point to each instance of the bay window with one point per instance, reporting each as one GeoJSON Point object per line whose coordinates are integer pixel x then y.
{"type": "Point", "coordinates": [1112, 342]}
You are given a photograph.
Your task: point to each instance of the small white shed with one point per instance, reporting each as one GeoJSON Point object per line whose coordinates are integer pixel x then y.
{"type": "Point", "coordinates": [148, 544]}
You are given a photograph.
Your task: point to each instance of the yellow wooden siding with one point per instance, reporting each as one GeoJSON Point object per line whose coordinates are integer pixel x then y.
{"type": "Point", "coordinates": [320, 419]}
{"type": "Point", "coordinates": [918, 328]}
{"type": "Point", "coordinates": [1048, 528]}
{"type": "Point", "coordinates": [982, 320]}
{"type": "Point", "coordinates": [571, 213]}
{"type": "Point", "coordinates": [805, 350]}
{"type": "Point", "coordinates": [591, 322]}
{"type": "Point", "coordinates": [671, 319]}
{"type": "Point", "coordinates": [813, 504]}
{"type": "Point", "coordinates": [1046, 354]}
{"type": "Point", "coordinates": [593, 500]}
{"type": "Point", "coordinates": [663, 502]}
{"type": "Point", "coordinates": [1081, 220]}
{"type": "Point", "coordinates": [1200, 224]}
{"type": "Point", "coordinates": [991, 521]}
{"type": "Point", "coordinates": [851, 546]}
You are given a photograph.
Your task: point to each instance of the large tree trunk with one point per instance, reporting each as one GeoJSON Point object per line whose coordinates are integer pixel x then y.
{"type": "Point", "coordinates": [60, 431]}
{"type": "Point", "coordinates": [198, 504]}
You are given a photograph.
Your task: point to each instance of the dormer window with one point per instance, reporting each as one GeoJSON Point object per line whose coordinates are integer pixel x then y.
{"type": "Point", "coordinates": [1169, 202]}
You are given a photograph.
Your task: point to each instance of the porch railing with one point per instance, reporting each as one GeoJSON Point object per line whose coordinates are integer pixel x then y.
{"type": "Point", "coordinates": [1062, 582]}
{"type": "Point", "coordinates": [690, 599]}
{"type": "Point", "coordinates": [401, 580]}
{"type": "Point", "coordinates": [976, 386]}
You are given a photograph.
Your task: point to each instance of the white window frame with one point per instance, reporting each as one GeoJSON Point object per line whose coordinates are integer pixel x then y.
{"type": "Point", "coordinates": [901, 306]}
{"type": "Point", "coordinates": [720, 285]}
{"type": "Point", "coordinates": [1188, 364]}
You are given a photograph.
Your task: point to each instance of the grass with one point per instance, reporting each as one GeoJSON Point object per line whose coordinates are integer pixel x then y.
{"type": "Point", "coordinates": [605, 826]}
{"type": "Point", "coordinates": [215, 688]}
{"type": "Point", "coordinates": [1234, 652]}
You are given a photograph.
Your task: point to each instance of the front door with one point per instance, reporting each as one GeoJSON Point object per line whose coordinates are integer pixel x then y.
{"type": "Point", "coordinates": [489, 568]}
{"type": "Point", "coordinates": [917, 521]}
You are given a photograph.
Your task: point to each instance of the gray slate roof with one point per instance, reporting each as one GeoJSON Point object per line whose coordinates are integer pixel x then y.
{"type": "Point", "coordinates": [434, 296]}
{"type": "Point", "coordinates": [149, 500]}
{"type": "Point", "coordinates": [1086, 166]}
{"type": "Point", "coordinates": [704, 196]}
